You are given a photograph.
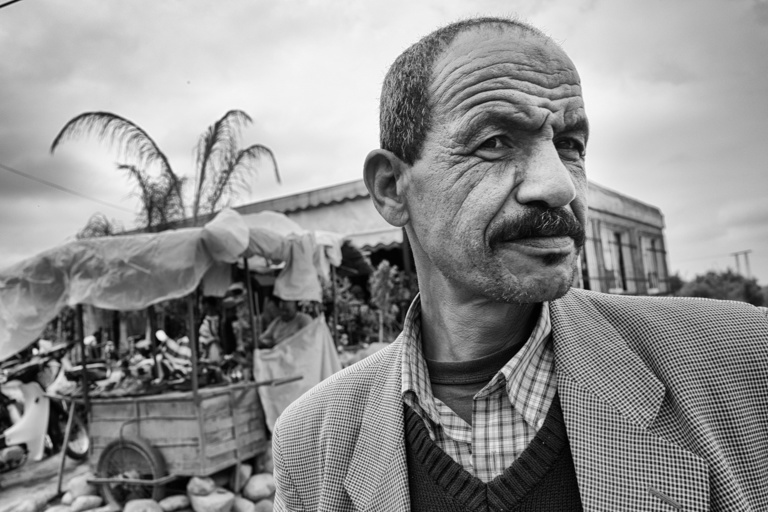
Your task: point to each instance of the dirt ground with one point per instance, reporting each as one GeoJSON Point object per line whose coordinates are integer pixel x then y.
{"type": "Point", "coordinates": [36, 479]}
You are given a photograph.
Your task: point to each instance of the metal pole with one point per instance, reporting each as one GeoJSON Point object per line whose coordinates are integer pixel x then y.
{"type": "Point", "coordinates": [79, 334]}
{"type": "Point", "coordinates": [193, 344]}
{"type": "Point", "coordinates": [67, 434]}
{"type": "Point", "coordinates": [255, 333]}
{"type": "Point", "coordinates": [746, 261]}
{"type": "Point", "coordinates": [335, 308]}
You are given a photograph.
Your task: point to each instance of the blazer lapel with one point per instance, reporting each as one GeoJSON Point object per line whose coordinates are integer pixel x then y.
{"type": "Point", "coordinates": [609, 399]}
{"type": "Point", "coordinates": [377, 477]}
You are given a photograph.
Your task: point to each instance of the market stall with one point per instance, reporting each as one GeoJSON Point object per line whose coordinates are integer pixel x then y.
{"type": "Point", "coordinates": [143, 442]}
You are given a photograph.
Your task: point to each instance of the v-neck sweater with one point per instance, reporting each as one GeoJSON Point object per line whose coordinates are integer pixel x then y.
{"type": "Point", "coordinates": [543, 478]}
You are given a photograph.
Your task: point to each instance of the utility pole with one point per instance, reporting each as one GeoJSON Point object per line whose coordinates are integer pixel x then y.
{"type": "Point", "coordinates": [746, 261]}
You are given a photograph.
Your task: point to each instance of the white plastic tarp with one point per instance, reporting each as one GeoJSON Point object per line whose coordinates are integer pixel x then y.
{"type": "Point", "coordinates": [307, 255]}
{"type": "Point", "coordinates": [133, 271]}
{"type": "Point", "coordinates": [310, 353]}
{"type": "Point", "coordinates": [123, 273]}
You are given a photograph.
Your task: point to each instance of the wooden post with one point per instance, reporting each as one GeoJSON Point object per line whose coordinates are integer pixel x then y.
{"type": "Point", "coordinates": [253, 310]}
{"type": "Point", "coordinates": [152, 322]}
{"type": "Point", "coordinates": [335, 307]}
{"type": "Point", "coordinates": [193, 345]}
{"type": "Point", "coordinates": [79, 334]}
{"type": "Point", "coordinates": [67, 434]}
{"type": "Point", "coordinates": [255, 333]}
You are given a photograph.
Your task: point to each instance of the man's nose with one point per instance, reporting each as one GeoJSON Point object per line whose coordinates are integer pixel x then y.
{"type": "Point", "coordinates": [544, 178]}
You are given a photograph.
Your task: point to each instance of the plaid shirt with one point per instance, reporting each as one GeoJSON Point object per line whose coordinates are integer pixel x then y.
{"type": "Point", "coordinates": [507, 412]}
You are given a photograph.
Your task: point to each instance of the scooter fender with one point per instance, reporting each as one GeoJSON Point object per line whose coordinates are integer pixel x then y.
{"type": "Point", "coordinates": [33, 425]}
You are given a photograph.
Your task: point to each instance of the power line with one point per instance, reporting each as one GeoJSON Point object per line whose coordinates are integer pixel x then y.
{"type": "Point", "coordinates": [59, 187]}
{"type": "Point", "coordinates": [6, 4]}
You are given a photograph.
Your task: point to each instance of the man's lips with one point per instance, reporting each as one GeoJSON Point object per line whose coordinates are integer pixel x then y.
{"type": "Point", "coordinates": [544, 244]}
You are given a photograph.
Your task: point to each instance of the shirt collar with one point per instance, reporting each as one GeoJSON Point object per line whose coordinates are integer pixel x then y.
{"type": "Point", "coordinates": [528, 374]}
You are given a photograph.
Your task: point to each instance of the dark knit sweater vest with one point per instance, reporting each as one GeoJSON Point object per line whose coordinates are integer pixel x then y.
{"type": "Point", "coordinates": [542, 478]}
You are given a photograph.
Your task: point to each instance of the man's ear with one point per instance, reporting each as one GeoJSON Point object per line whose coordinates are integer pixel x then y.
{"type": "Point", "coordinates": [383, 175]}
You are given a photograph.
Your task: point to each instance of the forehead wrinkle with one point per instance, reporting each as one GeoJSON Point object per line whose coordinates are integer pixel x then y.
{"type": "Point", "coordinates": [503, 88]}
{"type": "Point", "coordinates": [515, 100]}
{"type": "Point", "coordinates": [504, 84]}
{"type": "Point", "coordinates": [501, 113]}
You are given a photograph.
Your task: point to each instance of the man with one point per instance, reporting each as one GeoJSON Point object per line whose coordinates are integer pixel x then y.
{"type": "Point", "coordinates": [289, 322]}
{"type": "Point", "coordinates": [507, 391]}
{"type": "Point", "coordinates": [208, 333]}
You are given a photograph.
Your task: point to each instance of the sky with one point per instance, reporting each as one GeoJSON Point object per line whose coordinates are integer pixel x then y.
{"type": "Point", "coordinates": [676, 92]}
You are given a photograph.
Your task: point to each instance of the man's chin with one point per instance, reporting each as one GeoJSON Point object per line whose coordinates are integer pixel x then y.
{"type": "Point", "coordinates": [541, 285]}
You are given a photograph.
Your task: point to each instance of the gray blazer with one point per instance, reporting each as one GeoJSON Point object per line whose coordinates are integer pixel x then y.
{"type": "Point", "coordinates": [665, 403]}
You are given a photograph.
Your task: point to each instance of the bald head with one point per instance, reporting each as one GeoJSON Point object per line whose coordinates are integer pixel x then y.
{"type": "Point", "coordinates": [405, 108]}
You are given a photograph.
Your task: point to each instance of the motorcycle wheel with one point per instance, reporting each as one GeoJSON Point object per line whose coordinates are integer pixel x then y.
{"type": "Point", "coordinates": [79, 441]}
{"type": "Point", "coordinates": [130, 458]}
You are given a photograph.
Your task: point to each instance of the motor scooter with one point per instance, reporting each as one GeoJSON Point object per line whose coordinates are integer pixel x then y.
{"type": "Point", "coordinates": [31, 422]}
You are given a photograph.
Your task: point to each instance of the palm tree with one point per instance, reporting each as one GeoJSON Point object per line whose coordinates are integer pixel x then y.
{"type": "Point", "coordinates": [133, 143]}
{"type": "Point", "coordinates": [221, 166]}
{"type": "Point", "coordinates": [98, 226]}
{"type": "Point", "coordinates": [159, 197]}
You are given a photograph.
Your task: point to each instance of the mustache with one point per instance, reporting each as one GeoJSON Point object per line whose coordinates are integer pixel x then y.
{"type": "Point", "coordinates": [537, 221]}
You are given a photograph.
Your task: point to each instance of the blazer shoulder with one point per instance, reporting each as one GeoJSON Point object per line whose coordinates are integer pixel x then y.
{"type": "Point", "coordinates": [682, 332]}
{"type": "Point", "coordinates": [680, 310]}
{"type": "Point", "coordinates": [343, 393]}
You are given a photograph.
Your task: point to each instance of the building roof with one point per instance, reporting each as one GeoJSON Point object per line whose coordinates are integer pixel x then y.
{"type": "Point", "coordinates": [600, 198]}
{"type": "Point", "coordinates": [311, 199]}
{"type": "Point", "coordinates": [366, 229]}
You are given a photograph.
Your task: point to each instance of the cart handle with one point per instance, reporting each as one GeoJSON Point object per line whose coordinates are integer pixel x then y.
{"type": "Point", "coordinates": [280, 381]}
{"type": "Point", "coordinates": [133, 481]}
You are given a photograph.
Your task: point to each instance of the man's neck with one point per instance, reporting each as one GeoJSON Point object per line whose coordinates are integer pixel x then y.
{"type": "Point", "coordinates": [457, 329]}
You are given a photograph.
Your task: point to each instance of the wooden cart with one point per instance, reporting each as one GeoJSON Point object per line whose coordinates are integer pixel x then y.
{"type": "Point", "coordinates": [142, 443]}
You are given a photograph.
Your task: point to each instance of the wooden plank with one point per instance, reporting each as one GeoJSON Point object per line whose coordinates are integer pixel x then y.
{"type": "Point", "coordinates": [148, 428]}
{"type": "Point", "coordinates": [248, 426]}
{"type": "Point", "coordinates": [181, 456]}
{"type": "Point", "coordinates": [158, 442]}
{"type": "Point", "coordinates": [251, 437]}
{"type": "Point", "coordinates": [227, 457]}
{"type": "Point", "coordinates": [182, 408]}
{"type": "Point", "coordinates": [215, 406]}
{"type": "Point", "coordinates": [214, 450]}
{"type": "Point", "coordinates": [112, 410]}
{"type": "Point", "coordinates": [253, 449]}
{"type": "Point", "coordinates": [242, 416]}
{"type": "Point", "coordinates": [219, 436]}
{"type": "Point", "coordinates": [221, 423]}
{"type": "Point", "coordinates": [245, 398]}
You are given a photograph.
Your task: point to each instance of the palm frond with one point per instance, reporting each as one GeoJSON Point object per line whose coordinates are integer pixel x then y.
{"type": "Point", "coordinates": [144, 182]}
{"type": "Point", "coordinates": [99, 226]}
{"type": "Point", "coordinates": [131, 140]}
{"type": "Point", "coordinates": [234, 173]}
{"type": "Point", "coordinates": [215, 145]}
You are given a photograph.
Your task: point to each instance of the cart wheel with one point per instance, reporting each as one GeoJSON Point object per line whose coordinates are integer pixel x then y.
{"type": "Point", "coordinates": [131, 458]}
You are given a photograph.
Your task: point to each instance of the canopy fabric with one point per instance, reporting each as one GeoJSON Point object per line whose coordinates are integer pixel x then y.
{"type": "Point", "coordinates": [310, 353]}
{"type": "Point", "coordinates": [307, 255]}
{"type": "Point", "coordinates": [121, 272]}
{"type": "Point", "coordinates": [132, 272]}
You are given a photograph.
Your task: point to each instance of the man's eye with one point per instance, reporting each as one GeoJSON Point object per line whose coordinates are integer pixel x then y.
{"type": "Point", "coordinates": [492, 143]}
{"type": "Point", "coordinates": [570, 144]}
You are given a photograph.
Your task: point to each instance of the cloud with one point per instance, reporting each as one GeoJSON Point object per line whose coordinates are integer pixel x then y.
{"type": "Point", "coordinates": [675, 92]}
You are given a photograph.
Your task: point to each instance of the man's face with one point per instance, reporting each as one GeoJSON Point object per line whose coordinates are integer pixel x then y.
{"type": "Point", "coordinates": [288, 310]}
{"type": "Point", "coordinates": [497, 199]}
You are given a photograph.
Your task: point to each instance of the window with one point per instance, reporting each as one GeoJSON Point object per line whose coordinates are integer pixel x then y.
{"type": "Point", "coordinates": [584, 270]}
{"type": "Point", "coordinates": [614, 243]}
{"type": "Point", "coordinates": [653, 263]}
